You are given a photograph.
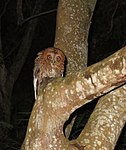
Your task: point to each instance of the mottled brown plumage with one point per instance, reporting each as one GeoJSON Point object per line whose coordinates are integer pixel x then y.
{"type": "Point", "coordinates": [48, 64]}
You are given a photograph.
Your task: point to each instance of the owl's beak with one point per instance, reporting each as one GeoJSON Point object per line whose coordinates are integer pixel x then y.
{"type": "Point", "coordinates": [53, 62]}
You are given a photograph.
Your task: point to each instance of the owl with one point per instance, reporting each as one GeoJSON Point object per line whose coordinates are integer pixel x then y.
{"type": "Point", "coordinates": [48, 64]}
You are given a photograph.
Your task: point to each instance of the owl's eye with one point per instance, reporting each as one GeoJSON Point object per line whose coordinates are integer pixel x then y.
{"type": "Point", "coordinates": [58, 58]}
{"type": "Point", "coordinates": [49, 57]}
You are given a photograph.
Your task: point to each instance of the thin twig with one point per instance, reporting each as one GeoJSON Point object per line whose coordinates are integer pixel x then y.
{"type": "Point", "coordinates": [38, 15]}
{"type": "Point", "coordinates": [19, 12]}
{"type": "Point", "coordinates": [4, 9]}
{"type": "Point", "coordinates": [112, 18]}
{"type": "Point", "coordinates": [2, 13]}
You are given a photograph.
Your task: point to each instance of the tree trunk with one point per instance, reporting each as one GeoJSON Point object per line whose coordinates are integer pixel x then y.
{"type": "Point", "coordinates": [64, 95]}
{"type": "Point", "coordinates": [73, 22]}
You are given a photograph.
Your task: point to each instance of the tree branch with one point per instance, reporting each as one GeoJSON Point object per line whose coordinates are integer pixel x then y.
{"type": "Point", "coordinates": [63, 96]}
{"type": "Point", "coordinates": [4, 9]}
{"type": "Point", "coordinates": [108, 116]}
{"type": "Point", "coordinates": [2, 13]}
{"type": "Point", "coordinates": [19, 12]}
{"type": "Point", "coordinates": [38, 15]}
{"type": "Point", "coordinates": [85, 85]}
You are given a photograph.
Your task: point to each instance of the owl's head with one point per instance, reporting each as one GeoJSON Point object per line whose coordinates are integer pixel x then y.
{"type": "Point", "coordinates": [54, 56]}
{"type": "Point", "coordinates": [50, 62]}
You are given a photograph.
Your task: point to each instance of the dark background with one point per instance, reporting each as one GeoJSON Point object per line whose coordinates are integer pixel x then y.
{"type": "Point", "coordinates": [107, 35]}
